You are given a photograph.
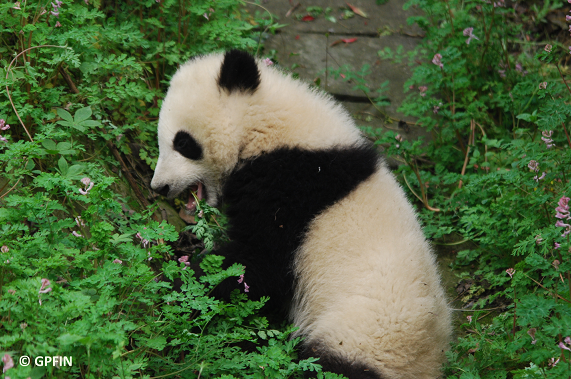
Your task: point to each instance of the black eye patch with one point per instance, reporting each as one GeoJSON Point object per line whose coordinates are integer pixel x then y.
{"type": "Point", "coordinates": [187, 146]}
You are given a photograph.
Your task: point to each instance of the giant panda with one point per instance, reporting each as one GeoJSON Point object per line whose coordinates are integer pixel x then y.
{"type": "Point", "coordinates": [314, 214]}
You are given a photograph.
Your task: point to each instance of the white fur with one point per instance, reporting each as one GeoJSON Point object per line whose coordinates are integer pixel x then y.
{"type": "Point", "coordinates": [368, 282]}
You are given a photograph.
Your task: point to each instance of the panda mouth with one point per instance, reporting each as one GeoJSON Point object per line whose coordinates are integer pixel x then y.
{"type": "Point", "coordinates": [197, 193]}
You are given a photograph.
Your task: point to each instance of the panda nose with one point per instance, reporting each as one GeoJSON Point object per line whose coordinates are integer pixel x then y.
{"type": "Point", "coordinates": [164, 190]}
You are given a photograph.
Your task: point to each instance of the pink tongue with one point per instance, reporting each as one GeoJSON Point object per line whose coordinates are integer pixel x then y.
{"type": "Point", "coordinates": [191, 205]}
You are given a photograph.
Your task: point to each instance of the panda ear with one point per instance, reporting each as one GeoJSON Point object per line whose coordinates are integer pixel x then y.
{"type": "Point", "coordinates": [239, 72]}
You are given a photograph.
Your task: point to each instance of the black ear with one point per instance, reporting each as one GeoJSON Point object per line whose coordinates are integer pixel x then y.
{"type": "Point", "coordinates": [239, 72]}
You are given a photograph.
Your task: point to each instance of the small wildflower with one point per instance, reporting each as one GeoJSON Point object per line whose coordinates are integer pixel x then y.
{"type": "Point", "coordinates": [502, 73]}
{"type": "Point", "coordinates": [563, 209]}
{"type": "Point", "coordinates": [201, 214]}
{"type": "Point", "coordinates": [3, 139]}
{"type": "Point", "coordinates": [23, 326]}
{"type": "Point", "coordinates": [533, 165]}
{"type": "Point", "coordinates": [246, 287]}
{"type": "Point", "coordinates": [4, 249]}
{"type": "Point", "coordinates": [435, 109]}
{"type": "Point", "coordinates": [540, 178]}
{"type": "Point", "coordinates": [568, 18]}
{"type": "Point", "coordinates": [556, 264]}
{"type": "Point", "coordinates": [510, 272]}
{"type": "Point", "coordinates": [8, 362]}
{"type": "Point", "coordinates": [118, 261]}
{"type": "Point", "coordinates": [538, 240]}
{"type": "Point", "coordinates": [268, 62]}
{"type": "Point", "coordinates": [241, 279]}
{"type": "Point", "coordinates": [567, 340]}
{"type": "Point", "coordinates": [543, 85]}
{"type": "Point", "coordinates": [423, 90]}
{"type": "Point", "coordinates": [88, 186]}
{"type": "Point", "coordinates": [3, 125]}
{"type": "Point", "coordinates": [436, 60]}
{"type": "Point", "coordinates": [548, 48]}
{"type": "Point", "coordinates": [398, 137]}
{"type": "Point", "coordinates": [79, 221]}
{"type": "Point", "coordinates": [76, 234]}
{"type": "Point", "coordinates": [562, 346]}
{"type": "Point", "coordinates": [44, 289]}
{"type": "Point", "coordinates": [469, 319]}
{"type": "Point", "coordinates": [531, 333]}
{"type": "Point", "coordinates": [184, 259]}
{"type": "Point", "coordinates": [546, 138]}
{"type": "Point", "coordinates": [12, 292]}
{"type": "Point", "coordinates": [552, 362]}
{"type": "Point", "coordinates": [205, 16]}
{"type": "Point", "coordinates": [557, 245]}
{"type": "Point", "coordinates": [468, 32]}
{"type": "Point", "coordinates": [57, 25]}
{"type": "Point", "coordinates": [17, 5]}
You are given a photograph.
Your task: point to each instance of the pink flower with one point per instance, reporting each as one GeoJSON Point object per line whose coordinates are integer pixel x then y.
{"type": "Point", "coordinates": [268, 62]}
{"type": "Point", "coordinates": [76, 234]}
{"type": "Point", "coordinates": [510, 272]}
{"type": "Point", "coordinates": [531, 333]}
{"type": "Point", "coordinates": [538, 179]}
{"type": "Point", "coordinates": [3, 139]}
{"type": "Point", "coordinates": [88, 186]}
{"type": "Point", "coordinates": [246, 287]}
{"type": "Point", "coordinates": [58, 25]}
{"type": "Point", "coordinates": [548, 48]}
{"type": "Point", "coordinates": [118, 261]}
{"type": "Point", "coordinates": [436, 60]}
{"type": "Point", "coordinates": [469, 319]}
{"type": "Point", "coordinates": [423, 90]}
{"type": "Point", "coordinates": [13, 292]}
{"type": "Point", "coordinates": [543, 85]}
{"type": "Point", "coordinates": [144, 241]}
{"type": "Point", "coordinates": [533, 165]}
{"type": "Point", "coordinates": [562, 346]}
{"type": "Point", "coordinates": [502, 73]}
{"type": "Point", "coordinates": [435, 109]}
{"type": "Point", "coordinates": [563, 209]}
{"type": "Point", "coordinates": [468, 32]}
{"type": "Point", "coordinates": [184, 259]}
{"type": "Point", "coordinates": [552, 362]}
{"type": "Point", "coordinates": [557, 245]}
{"type": "Point", "coordinates": [3, 125]}
{"type": "Point", "coordinates": [4, 249]}
{"type": "Point", "coordinates": [45, 283]}
{"type": "Point", "coordinates": [398, 137]}
{"type": "Point", "coordinates": [8, 362]}
{"type": "Point", "coordinates": [16, 5]}
{"type": "Point", "coordinates": [568, 18]}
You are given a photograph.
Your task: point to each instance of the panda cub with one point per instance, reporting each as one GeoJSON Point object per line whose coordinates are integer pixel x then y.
{"type": "Point", "coordinates": [314, 215]}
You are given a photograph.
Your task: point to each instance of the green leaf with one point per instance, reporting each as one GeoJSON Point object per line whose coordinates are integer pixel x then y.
{"type": "Point", "coordinates": [65, 115]}
{"type": "Point", "coordinates": [82, 114]}
{"type": "Point", "coordinates": [63, 166]}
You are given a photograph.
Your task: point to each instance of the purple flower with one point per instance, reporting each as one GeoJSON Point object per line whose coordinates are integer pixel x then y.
{"type": "Point", "coordinates": [435, 109]}
{"type": "Point", "coordinates": [241, 278]}
{"type": "Point", "coordinates": [57, 25]}
{"type": "Point", "coordinates": [552, 362]}
{"type": "Point", "coordinates": [4, 249]}
{"type": "Point", "coordinates": [468, 32]}
{"type": "Point", "coordinates": [8, 362]}
{"type": "Point", "coordinates": [268, 62]}
{"type": "Point", "coordinates": [546, 138]}
{"type": "Point", "coordinates": [44, 289]}
{"type": "Point", "coordinates": [543, 85]}
{"type": "Point", "coordinates": [538, 179]}
{"type": "Point", "coordinates": [423, 90]}
{"type": "Point", "coordinates": [562, 346]}
{"type": "Point", "coordinates": [436, 60]}
{"type": "Point", "coordinates": [557, 245]}
{"type": "Point", "coordinates": [76, 234]}
{"type": "Point", "coordinates": [510, 272]}
{"type": "Point", "coordinates": [469, 319]}
{"type": "Point", "coordinates": [3, 139]}
{"type": "Point", "coordinates": [3, 125]}
{"type": "Point", "coordinates": [502, 73]}
{"type": "Point", "coordinates": [548, 48]}
{"type": "Point", "coordinates": [16, 5]}
{"type": "Point", "coordinates": [568, 18]}
{"type": "Point", "coordinates": [533, 165]}
{"type": "Point", "coordinates": [567, 340]}
{"type": "Point", "coordinates": [118, 261]}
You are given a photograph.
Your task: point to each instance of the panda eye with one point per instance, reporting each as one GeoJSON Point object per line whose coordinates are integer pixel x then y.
{"type": "Point", "coordinates": [187, 146]}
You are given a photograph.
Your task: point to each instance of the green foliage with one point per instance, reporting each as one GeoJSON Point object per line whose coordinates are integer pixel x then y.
{"type": "Point", "coordinates": [86, 271]}
{"type": "Point", "coordinates": [495, 170]}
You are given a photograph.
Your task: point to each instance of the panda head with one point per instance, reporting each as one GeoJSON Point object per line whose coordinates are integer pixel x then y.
{"type": "Point", "coordinates": [223, 109]}
{"type": "Point", "coordinates": [199, 130]}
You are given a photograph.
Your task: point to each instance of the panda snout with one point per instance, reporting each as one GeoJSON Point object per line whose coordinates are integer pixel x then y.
{"type": "Point", "coordinates": [164, 190]}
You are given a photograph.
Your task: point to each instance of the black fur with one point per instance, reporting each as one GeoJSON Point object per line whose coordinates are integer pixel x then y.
{"type": "Point", "coordinates": [333, 362]}
{"type": "Point", "coordinates": [187, 146]}
{"type": "Point", "coordinates": [271, 200]}
{"type": "Point", "coordinates": [239, 72]}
